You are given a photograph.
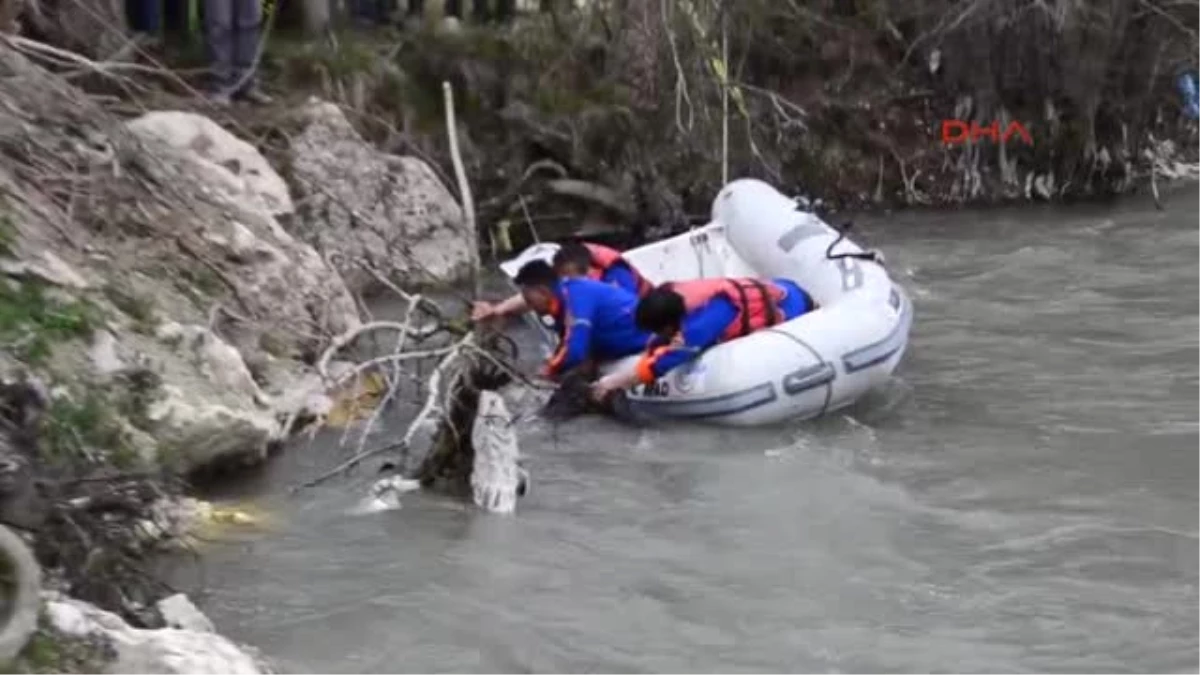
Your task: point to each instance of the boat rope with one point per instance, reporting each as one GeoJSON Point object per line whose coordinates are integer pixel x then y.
{"type": "Point", "coordinates": [871, 254]}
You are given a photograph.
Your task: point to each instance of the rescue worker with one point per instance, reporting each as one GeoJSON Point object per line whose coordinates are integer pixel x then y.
{"type": "Point", "coordinates": [600, 263]}
{"type": "Point", "coordinates": [576, 259]}
{"type": "Point", "coordinates": [597, 319]}
{"type": "Point", "coordinates": [688, 317]}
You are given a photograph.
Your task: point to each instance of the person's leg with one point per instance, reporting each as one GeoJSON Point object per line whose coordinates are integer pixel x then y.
{"type": "Point", "coordinates": [504, 10]}
{"type": "Point", "coordinates": [175, 15]}
{"type": "Point", "coordinates": [152, 17]}
{"type": "Point", "coordinates": [362, 11]}
{"type": "Point", "coordinates": [247, 19]}
{"type": "Point", "coordinates": [218, 39]}
{"type": "Point", "coordinates": [145, 16]}
{"type": "Point", "coordinates": [134, 10]}
{"type": "Point", "coordinates": [481, 13]}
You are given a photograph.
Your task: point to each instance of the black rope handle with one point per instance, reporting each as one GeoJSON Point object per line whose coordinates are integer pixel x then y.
{"type": "Point", "coordinates": [872, 255]}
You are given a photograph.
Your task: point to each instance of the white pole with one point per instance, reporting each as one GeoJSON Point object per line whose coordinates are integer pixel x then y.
{"type": "Point", "coordinates": [724, 96]}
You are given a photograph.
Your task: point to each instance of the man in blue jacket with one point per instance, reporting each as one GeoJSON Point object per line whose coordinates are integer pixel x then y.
{"type": "Point", "coordinates": [596, 319]}
{"type": "Point", "coordinates": [575, 259]}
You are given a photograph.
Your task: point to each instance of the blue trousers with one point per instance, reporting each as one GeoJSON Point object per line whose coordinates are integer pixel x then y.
{"type": "Point", "coordinates": [231, 29]}
{"type": "Point", "coordinates": [375, 11]}
{"type": "Point", "coordinates": [145, 16]}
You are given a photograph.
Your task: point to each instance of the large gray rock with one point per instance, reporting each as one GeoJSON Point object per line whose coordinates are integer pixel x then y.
{"type": "Point", "coordinates": [278, 280]}
{"type": "Point", "coordinates": [178, 230]}
{"type": "Point", "coordinates": [164, 650]}
{"type": "Point", "coordinates": [254, 180]}
{"type": "Point", "coordinates": [361, 205]}
{"type": "Point", "coordinates": [178, 611]}
{"type": "Point", "coordinates": [208, 409]}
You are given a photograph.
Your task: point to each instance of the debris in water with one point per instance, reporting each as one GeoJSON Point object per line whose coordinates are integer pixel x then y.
{"type": "Point", "coordinates": [385, 494]}
{"type": "Point", "coordinates": [496, 477]}
{"type": "Point", "coordinates": [357, 400]}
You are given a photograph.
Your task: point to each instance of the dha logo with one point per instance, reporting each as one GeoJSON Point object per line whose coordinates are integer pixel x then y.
{"type": "Point", "coordinates": [959, 132]}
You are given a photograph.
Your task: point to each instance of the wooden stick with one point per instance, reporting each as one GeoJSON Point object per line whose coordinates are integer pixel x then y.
{"type": "Point", "coordinates": [460, 173]}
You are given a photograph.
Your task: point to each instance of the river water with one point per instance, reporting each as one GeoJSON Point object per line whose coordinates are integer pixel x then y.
{"type": "Point", "coordinates": [1024, 498]}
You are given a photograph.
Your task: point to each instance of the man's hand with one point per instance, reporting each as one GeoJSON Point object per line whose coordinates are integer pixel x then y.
{"type": "Point", "coordinates": [547, 374]}
{"type": "Point", "coordinates": [481, 311]}
{"type": "Point", "coordinates": [605, 386]}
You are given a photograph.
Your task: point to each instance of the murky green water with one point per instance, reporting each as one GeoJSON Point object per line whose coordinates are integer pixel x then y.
{"type": "Point", "coordinates": [1023, 499]}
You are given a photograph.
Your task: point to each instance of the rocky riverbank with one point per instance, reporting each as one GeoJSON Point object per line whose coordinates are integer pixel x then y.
{"type": "Point", "coordinates": [166, 308]}
{"type": "Point", "coordinates": [77, 637]}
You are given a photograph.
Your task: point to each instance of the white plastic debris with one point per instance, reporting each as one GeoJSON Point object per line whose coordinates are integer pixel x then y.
{"type": "Point", "coordinates": [496, 478]}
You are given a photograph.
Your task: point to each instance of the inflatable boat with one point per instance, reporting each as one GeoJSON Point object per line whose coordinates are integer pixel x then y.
{"type": "Point", "coordinates": [803, 368]}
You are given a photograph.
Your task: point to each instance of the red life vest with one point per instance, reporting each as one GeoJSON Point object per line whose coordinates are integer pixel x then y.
{"type": "Point", "coordinates": [757, 301]}
{"type": "Point", "coordinates": [604, 257]}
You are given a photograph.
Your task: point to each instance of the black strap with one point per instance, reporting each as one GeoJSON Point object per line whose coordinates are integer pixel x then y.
{"type": "Point", "coordinates": [871, 255]}
{"type": "Point", "coordinates": [768, 303]}
{"type": "Point", "coordinates": [745, 304]}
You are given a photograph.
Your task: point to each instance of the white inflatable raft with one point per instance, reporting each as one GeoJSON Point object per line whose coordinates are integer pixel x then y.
{"type": "Point", "coordinates": [806, 367]}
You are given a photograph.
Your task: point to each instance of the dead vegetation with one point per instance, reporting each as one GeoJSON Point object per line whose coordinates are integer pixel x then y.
{"type": "Point", "coordinates": [635, 109]}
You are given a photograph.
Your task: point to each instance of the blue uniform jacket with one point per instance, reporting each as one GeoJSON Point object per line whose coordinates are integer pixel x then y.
{"type": "Point", "coordinates": [621, 277]}
{"type": "Point", "coordinates": [598, 323]}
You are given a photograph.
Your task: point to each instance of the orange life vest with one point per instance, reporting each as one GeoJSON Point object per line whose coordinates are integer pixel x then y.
{"type": "Point", "coordinates": [604, 257]}
{"type": "Point", "coordinates": [757, 301]}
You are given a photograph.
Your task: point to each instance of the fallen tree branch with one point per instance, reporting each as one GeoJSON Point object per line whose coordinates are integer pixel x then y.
{"type": "Point", "coordinates": [393, 383]}
{"type": "Point", "coordinates": [430, 407]}
{"type": "Point", "coordinates": [341, 341]}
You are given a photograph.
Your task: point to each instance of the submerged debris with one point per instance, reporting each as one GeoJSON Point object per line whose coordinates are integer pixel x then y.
{"type": "Point", "coordinates": [496, 477]}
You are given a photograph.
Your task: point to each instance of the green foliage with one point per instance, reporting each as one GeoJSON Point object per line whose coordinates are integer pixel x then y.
{"type": "Point", "coordinates": [50, 652]}
{"type": "Point", "coordinates": [91, 425]}
{"type": "Point", "coordinates": [83, 428]}
{"type": "Point", "coordinates": [193, 280]}
{"type": "Point", "coordinates": [32, 320]}
{"type": "Point", "coordinates": [202, 279]}
{"type": "Point", "coordinates": [275, 345]}
{"type": "Point", "coordinates": [41, 654]}
{"type": "Point", "coordinates": [140, 389]}
{"type": "Point", "coordinates": [8, 233]}
{"type": "Point", "coordinates": [302, 58]}
{"type": "Point", "coordinates": [137, 307]}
